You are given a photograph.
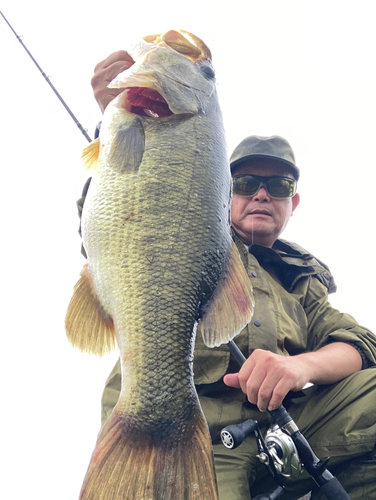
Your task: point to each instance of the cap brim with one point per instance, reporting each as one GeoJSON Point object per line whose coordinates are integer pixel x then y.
{"type": "Point", "coordinates": [294, 168]}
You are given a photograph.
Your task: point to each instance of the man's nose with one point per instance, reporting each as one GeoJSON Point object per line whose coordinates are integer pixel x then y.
{"type": "Point", "coordinates": [261, 195]}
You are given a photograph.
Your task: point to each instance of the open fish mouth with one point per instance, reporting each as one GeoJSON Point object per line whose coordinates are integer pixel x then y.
{"type": "Point", "coordinates": [144, 101]}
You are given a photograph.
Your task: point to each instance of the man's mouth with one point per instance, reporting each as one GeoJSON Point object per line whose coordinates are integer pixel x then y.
{"type": "Point", "coordinates": [147, 102]}
{"type": "Point", "coordinates": [260, 211]}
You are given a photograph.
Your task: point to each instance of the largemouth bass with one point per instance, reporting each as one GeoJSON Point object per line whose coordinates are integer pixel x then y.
{"type": "Point", "coordinates": [161, 260]}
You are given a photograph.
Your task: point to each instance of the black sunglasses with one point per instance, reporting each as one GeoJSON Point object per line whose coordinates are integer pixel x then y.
{"type": "Point", "coordinates": [275, 186]}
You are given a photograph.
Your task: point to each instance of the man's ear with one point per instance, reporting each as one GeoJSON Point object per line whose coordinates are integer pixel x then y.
{"type": "Point", "coordinates": [295, 201]}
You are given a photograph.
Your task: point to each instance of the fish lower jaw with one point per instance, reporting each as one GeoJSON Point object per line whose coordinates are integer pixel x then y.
{"type": "Point", "coordinates": [148, 112]}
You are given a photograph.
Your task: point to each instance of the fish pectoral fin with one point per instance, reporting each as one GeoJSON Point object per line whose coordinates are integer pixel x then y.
{"type": "Point", "coordinates": [87, 325]}
{"type": "Point", "coordinates": [132, 461]}
{"type": "Point", "coordinates": [90, 155]}
{"type": "Point", "coordinates": [231, 307]}
{"type": "Point", "coordinates": [128, 148]}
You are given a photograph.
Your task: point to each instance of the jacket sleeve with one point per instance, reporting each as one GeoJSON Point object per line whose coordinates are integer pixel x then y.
{"type": "Point", "coordinates": [81, 201]}
{"type": "Point", "coordinates": [111, 392]}
{"type": "Point", "coordinates": [326, 324]}
{"type": "Point", "coordinates": [80, 206]}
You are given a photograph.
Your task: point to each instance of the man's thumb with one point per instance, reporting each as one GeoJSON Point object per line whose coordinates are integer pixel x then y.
{"type": "Point", "coordinates": [232, 380]}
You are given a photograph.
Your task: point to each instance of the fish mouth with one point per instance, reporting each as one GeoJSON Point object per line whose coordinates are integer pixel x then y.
{"type": "Point", "coordinates": [144, 101]}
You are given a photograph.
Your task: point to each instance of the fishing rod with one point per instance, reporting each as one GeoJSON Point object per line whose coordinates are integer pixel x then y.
{"type": "Point", "coordinates": [49, 82]}
{"type": "Point", "coordinates": [285, 451]}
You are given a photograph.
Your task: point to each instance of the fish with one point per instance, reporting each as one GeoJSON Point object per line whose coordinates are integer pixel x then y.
{"type": "Point", "coordinates": [161, 268]}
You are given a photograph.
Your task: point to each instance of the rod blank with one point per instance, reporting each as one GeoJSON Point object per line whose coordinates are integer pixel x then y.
{"type": "Point", "coordinates": [49, 82]}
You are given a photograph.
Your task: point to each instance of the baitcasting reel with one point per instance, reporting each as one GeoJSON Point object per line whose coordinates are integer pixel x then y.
{"type": "Point", "coordinates": [277, 450]}
{"type": "Point", "coordinates": [283, 453]}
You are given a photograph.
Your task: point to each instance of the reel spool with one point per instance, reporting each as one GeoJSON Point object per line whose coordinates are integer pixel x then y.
{"type": "Point", "coordinates": [283, 453]}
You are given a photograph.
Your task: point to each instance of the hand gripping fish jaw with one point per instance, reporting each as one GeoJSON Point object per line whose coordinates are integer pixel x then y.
{"type": "Point", "coordinates": [172, 75]}
{"type": "Point", "coordinates": [284, 450]}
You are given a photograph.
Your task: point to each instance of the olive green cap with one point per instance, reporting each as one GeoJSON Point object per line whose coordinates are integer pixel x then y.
{"type": "Point", "coordinates": [273, 148]}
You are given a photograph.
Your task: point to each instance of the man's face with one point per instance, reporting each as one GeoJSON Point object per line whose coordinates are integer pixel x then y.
{"type": "Point", "coordinates": [260, 219]}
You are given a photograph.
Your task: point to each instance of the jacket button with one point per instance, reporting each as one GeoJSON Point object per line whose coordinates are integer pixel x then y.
{"type": "Point", "coordinates": [257, 323]}
{"type": "Point", "coordinates": [254, 274]}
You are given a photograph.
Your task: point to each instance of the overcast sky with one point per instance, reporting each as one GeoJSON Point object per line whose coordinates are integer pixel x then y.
{"type": "Point", "coordinates": [303, 70]}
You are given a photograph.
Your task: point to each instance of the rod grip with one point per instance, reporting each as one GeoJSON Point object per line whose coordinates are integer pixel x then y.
{"type": "Point", "coordinates": [333, 490]}
{"type": "Point", "coordinates": [273, 494]}
{"type": "Point", "coordinates": [280, 416]}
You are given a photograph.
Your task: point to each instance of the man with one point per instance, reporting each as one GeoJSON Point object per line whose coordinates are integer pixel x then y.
{"type": "Point", "coordinates": [295, 335]}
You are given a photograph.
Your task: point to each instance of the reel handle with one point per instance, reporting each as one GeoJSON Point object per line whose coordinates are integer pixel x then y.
{"type": "Point", "coordinates": [233, 435]}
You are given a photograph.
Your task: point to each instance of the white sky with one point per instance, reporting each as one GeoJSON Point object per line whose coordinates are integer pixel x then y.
{"type": "Point", "coordinates": [303, 70]}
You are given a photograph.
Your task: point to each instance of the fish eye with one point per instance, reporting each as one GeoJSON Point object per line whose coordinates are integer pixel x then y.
{"type": "Point", "coordinates": [208, 72]}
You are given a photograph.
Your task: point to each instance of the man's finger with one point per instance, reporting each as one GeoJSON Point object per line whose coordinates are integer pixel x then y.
{"type": "Point", "coordinates": [232, 380]}
{"type": "Point", "coordinates": [115, 57]}
{"type": "Point", "coordinates": [103, 77]}
{"type": "Point", "coordinates": [279, 393]}
{"type": "Point", "coordinates": [104, 97]}
{"type": "Point", "coordinates": [264, 396]}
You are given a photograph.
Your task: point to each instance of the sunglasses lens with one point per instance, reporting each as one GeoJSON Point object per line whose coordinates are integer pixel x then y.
{"type": "Point", "coordinates": [246, 185]}
{"type": "Point", "coordinates": [281, 187]}
{"type": "Point", "coordinates": [277, 187]}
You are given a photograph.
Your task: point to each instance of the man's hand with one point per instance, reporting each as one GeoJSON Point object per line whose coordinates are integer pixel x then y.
{"type": "Point", "coordinates": [105, 72]}
{"type": "Point", "coordinates": [266, 378]}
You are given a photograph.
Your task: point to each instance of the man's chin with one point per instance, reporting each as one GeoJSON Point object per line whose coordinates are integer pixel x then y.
{"type": "Point", "coordinates": [258, 229]}
{"type": "Point", "coordinates": [255, 235]}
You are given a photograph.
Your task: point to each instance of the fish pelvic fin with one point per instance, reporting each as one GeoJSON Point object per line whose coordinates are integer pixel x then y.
{"type": "Point", "coordinates": [231, 307]}
{"type": "Point", "coordinates": [87, 325]}
{"type": "Point", "coordinates": [134, 463]}
{"type": "Point", "coordinates": [90, 155]}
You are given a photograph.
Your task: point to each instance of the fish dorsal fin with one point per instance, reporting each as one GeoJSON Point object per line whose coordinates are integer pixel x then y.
{"type": "Point", "coordinates": [128, 148]}
{"type": "Point", "coordinates": [90, 155]}
{"type": "Point", "coordinates": [87, 325]}
{"type": "Point", "coordinates": [231, 307]}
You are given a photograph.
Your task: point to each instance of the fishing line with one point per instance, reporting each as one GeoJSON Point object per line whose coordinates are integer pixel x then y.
{"type": "Point", "coordinates": [49, 83]}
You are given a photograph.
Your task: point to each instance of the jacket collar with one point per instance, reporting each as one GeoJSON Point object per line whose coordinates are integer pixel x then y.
{"type": "Point", "coordinates": [290, 262]}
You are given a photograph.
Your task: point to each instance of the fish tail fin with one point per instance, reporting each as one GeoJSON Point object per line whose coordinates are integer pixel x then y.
{"type": "Point", "coordinates": [133, 463]}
